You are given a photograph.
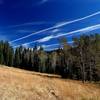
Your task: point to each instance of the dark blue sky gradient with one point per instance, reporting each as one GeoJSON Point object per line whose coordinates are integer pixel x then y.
{"type": "Point", "coordinates": [19, 18]}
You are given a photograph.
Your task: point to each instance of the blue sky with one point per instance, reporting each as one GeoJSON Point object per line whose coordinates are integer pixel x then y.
{"type": "Point", "coordinates": [43, 22]}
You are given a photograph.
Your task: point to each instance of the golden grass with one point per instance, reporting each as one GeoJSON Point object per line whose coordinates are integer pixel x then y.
{"type": "Point", "coordinates": [16, 84]}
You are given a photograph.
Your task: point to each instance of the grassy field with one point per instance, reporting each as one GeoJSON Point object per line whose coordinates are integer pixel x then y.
{"type": "Point", "coordinates": [16, 84]}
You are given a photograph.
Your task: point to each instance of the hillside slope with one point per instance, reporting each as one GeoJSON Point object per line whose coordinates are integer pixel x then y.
{"type": "Point", "coordinates": [16, 84]}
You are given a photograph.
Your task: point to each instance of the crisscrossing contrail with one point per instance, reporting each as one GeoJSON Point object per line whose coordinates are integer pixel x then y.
{"type": "Point", "coordinates": [56, 26]}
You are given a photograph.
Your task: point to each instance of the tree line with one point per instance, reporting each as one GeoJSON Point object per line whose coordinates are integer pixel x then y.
{"type": "Point", "coordinates": [80, 61]}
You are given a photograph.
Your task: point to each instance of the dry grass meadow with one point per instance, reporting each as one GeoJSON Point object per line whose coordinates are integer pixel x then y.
{"type": "Point", "coordinates": [16, 84]}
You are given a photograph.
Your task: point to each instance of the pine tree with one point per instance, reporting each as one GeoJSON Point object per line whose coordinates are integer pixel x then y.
{"type": "Point", "coordinates": [17, 58]}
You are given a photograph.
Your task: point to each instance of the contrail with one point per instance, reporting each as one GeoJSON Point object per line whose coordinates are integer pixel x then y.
{"type": "Point", "coordinates": [47, 46]}
{"type": "Point", "coordinates": [56, 26]}
{"type": "Point", "coordinates": [90, 28]}
{"type": "Point", "coordinates": [25, 24]}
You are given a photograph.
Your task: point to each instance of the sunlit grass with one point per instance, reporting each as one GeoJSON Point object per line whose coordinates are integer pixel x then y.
{"type": "Point", "coordinates": [16, 84]}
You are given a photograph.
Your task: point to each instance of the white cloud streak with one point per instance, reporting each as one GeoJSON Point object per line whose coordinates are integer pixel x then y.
{"type": "Point", "coordinates": [83, 30]}
{"type": "Point", "coordinates": [42, 2]}
{"type": "Point", "coordinates": [55, 30]}
{"type": "Point", "coordinates": [45, 39]}
{"type": "Point", "coordinates": [48, 46]}
{"type": "Point", "coordinates": [87, 29]}
{"type": "Point", "coordinates": [25, 45]}
{"type": "Point", "coordinates": [56, 26]}
{"type": "Point", "coordinates": [26, 24]}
